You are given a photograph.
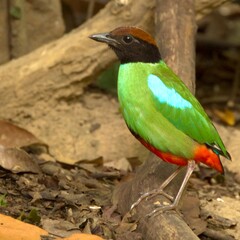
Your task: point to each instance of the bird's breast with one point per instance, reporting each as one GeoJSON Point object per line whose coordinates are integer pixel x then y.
{"type": "Point", "coordinates": [132, 93]}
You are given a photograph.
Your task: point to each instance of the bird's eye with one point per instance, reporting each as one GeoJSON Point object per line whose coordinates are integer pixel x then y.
{"type": "Point", "coordinates": [127, 39]}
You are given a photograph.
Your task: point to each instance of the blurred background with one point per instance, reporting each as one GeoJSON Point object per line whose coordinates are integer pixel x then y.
{"type": "Point", "coordinates": [59, 88]}
{"type": "Point", "coordinates": [26, 25]}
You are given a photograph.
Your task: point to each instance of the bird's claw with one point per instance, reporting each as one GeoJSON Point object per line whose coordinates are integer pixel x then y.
{"type": "Point", "coordinates": [162, 209]}
{"type": "Point", "coordinates": [151, 194]}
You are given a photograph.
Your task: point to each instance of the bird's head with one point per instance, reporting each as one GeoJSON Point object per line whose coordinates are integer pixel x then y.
{"type": "Point", "coordinates": [130, 44]}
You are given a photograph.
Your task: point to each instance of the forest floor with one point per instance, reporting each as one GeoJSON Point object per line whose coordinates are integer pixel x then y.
{"type": "Point", "coordinates": [65, 199]}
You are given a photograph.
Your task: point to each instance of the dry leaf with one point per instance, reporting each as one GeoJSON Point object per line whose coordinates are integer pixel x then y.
{"type": "Point", "coordinates": [227, 116]}
{"type": "Point", "coordinates": [59, 227]}
{"type": "Point", "coordinates": [12, 136]}
{"type": "Point", "coordinates": [81, 236]}
{"type": "Point", "coordinates": [17, 160]}
{"type": "Point", "coordinates": [13, 229]}
{"type": "Point", "coordinates": [191, 213]}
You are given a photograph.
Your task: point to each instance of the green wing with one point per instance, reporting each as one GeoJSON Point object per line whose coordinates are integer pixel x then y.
{"type": "Point", "coordinates": [177, 104]}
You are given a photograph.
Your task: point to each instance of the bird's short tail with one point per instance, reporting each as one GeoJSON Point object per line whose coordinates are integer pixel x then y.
{"type": "Point", "coordinates": [207, 156]}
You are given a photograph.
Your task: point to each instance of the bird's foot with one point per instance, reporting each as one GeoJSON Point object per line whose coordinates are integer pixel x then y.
{"type": "Point", "coordinates": [151, 194]}
{"type": "Point", "coordinates": [161, 209]}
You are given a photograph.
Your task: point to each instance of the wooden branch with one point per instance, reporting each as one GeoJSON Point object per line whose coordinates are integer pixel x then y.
{"type": "Point", "coordinates": [175, 31]}
{"type": "Point", "coordinates": [168, 225]}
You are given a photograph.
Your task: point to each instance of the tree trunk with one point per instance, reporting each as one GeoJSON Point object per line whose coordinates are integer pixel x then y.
{"type": "Point", "coordinates": [175, 32]}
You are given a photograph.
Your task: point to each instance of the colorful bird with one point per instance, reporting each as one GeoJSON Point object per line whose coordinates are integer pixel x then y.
{"type": "Point", "coordinates": [159, 109]}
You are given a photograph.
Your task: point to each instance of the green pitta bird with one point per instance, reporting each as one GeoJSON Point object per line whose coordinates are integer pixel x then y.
{"type": "Point", "coordinates": [159, 109]}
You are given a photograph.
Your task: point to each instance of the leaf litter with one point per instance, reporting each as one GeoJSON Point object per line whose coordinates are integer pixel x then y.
{"type": "Point", "coordinates": [63, 199]}
{"type": "Point", "coordinates": [13, 140]}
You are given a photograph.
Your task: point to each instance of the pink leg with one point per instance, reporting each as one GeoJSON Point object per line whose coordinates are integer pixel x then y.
{"type": "Point", "coordinates": [190, 167]}
{"type": "Point", "coordinates": [159, 191]}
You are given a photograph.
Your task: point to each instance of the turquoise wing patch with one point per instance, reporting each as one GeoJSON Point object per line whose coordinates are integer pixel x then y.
{"type": "Point", "coordinates": [165, 94]}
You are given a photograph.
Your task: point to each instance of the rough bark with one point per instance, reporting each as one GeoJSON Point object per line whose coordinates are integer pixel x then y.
{"type": "Point", "coordinates": [175, 32]}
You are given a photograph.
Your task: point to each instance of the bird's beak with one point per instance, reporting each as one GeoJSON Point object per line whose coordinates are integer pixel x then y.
{"type": "Point", "coordinates": [105, 38]}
